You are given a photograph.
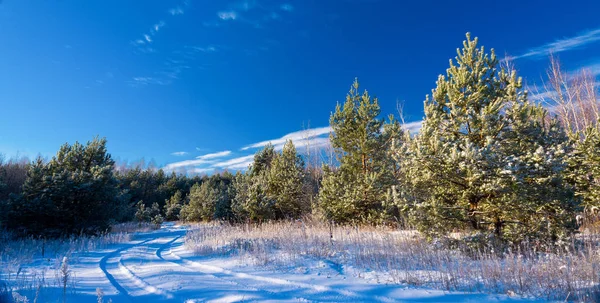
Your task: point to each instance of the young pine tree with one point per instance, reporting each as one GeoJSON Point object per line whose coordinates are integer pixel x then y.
{"type": "Point", "coordinates": [285, 183]}
{"type": "Point", "coordinates": [201, 206]}
{"type": "Point", "coordinates": [355, 191]}
{"type": "Point", "coordinates": [486, 158]}
{"type": "Point", "coordinates": [173, 206]}
{"type": "Point", "coordinates": [584, 167]}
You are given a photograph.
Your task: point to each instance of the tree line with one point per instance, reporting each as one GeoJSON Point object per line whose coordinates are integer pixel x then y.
{"type": "Point", "coordinates": [488, 160]}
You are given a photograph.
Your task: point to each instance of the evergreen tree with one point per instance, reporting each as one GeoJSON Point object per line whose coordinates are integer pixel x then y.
{"type": "Point", "coordinates": [142, 214]}
{"type": "Point", "coordinates": [486, 158]}
{"type": "Point", "coordinates": [173, 206]}
{"type": "Point", "coordinates": [355, 191]}
{"type": "Point", "coordinates": [240, 188]}
{"type": "Point", "coordinates": [210, 200]}
{"type": "Point", "coordinates": [285, 183]}
{"type": "Point", "coordinates": [202, 200]}
{"type": "Point", "coordinates": [584, 167]}
{"type": "Point", "coordinates": [252, 201]}
{"type": "Point", "coordinates": [75, 192]}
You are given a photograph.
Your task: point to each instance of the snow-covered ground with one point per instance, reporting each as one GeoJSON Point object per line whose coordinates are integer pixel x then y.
{"type": "Point", "coordinates": [157, 267]}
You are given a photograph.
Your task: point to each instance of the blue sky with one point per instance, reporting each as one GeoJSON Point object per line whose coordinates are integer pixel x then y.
{"type": "Point", "coordinates": [200, 85]}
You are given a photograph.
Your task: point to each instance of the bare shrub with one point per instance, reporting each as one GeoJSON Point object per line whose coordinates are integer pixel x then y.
{"type": "Point", "coordinates": [573, 97]}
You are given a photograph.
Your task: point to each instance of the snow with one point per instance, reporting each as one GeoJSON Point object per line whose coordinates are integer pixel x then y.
{"type": "Point", "coordinates": [157, 267]}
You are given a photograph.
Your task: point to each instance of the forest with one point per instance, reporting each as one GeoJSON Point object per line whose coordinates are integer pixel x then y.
{"type": "Point", "coordinates": [489, 161]}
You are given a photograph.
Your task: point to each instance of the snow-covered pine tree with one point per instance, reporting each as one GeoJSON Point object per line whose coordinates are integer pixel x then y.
{"type": "Point", "coordinates": [355, 191]}
{"type": "Point", "coordinates": [584, 167]}
{"type": "Point", "coordinates": [486, 158]}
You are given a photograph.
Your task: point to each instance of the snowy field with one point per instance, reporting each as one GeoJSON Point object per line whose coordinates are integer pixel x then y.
{"type": "Point", "coordinates": [156, 266]}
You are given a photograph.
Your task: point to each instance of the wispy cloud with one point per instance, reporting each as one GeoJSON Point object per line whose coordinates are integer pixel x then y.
{"type": "Point", "coordinates": [198, 170]}
{"type": "Point", "coordinates": [313, 139]}
{"type": "Point", "coordinates": [158, 26]}
{"type": "Point", "coordinates": [250, 12]}
{"type": "Point", "coordinates": [148, 38]}
{"type": "Point", "coordinates": [244, 5]}
{"type": "Point", "coordinates": [295, 136]}
{"type": "Point", "coordinates": [227, 15]}
{"type": "Point", "coordinates": [413, 127]}
{"type": "Point", "coordinates": [176, 11]}
{"type": "Point", "coordinates": [594, 69]}
{"type": "Point", "coordinates": [235, 163]}
{"type": "Point", "coordinates": [184, 164]}
{"type": "Point", "coordinates": [561, 45]}
{"type": "Point", "coordinates": [137, 81]}
{"type": "Point", "coordinates": [179, 153]}
{"type": "Point", "coordinates": [287, 7]}
{"type": "Point", "coordinates": [215, 155]}
{"type": "Point", "coordinates": [206, 49]}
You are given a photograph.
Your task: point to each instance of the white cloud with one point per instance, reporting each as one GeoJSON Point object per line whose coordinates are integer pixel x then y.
{"type": "Point", "coordinates": [287, 7]}
{"type": "Point", "coordinates": [179, 154]}
{"type": "Point", "coordinates": [413, 127]}
{"type": "Point", "coordinates": [200, 170]}
{"type": "Point", "coordinates": [158, 26]}
{"type": "Point", "coordinates": [274, 16]}
{"type": "Point", "coordinates": [594, 69]}
{"type": "Point", "coordinates": [186, 163]}
{"type": "Point", "coordinates": [295, 136]}
{"type": "Point", "coordinates": [148, 38]}
{"type": "Point", "coordinates": [305, 145]}
{"type": "Point", "coordinates": [214, 155]}
{"type": "Point", "coordinates": [207, 49]}
{"type": "Point", "coordinates": [227, 15]}
{"type": "Point", "coordinates": [235, 163]}
{"type": "Point", "coordinates": [148, 80]}
{"type": "Point", "coordinates": [245, 5]}
{"type": "Point", "coordinates": [561, 45]}
{"type": "Point", "coordinates": [176, 11]}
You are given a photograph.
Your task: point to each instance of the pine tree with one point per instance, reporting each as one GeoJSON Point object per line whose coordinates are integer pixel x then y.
{"type": "Point", "coordinates": [252, 201]}
{"type": "Point", "coordinates": [285, 183]}
{"type": "Point", "coordinates": [240, 188]}
{"type": "Point", "coordinates": [486, 158]}
{"type": "Point", "coordinates": [173, 206]}
{"type": "Point", "coordinates": [142, 213]}
{"type": "Point", "coordinates": [355, 191]}
{"type": "Point", "coordinates": [201, 205]}
{"type": "Point", "coordinates": [75, 192]}
{"type": "Point", "coordinates": [584, 167]}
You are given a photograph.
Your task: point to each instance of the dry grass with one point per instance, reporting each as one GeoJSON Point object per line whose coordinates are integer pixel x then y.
{"type": "Point", "coordinates": [133, 227]}
{"type": "Point", "coordinates": [16, 254]}
{"type": "Point", "coordinates": [405, 257]}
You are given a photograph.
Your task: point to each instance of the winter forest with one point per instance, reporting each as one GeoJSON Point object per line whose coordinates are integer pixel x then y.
{"type": "Point", "coordinates": [495, 197]}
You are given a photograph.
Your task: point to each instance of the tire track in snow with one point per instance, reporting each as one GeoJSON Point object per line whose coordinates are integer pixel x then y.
{"type": "Point", "coordinates": [109, 276]}
{"type": "Point", "coordinates": [270, 294]}
{"type": "Point", "coordinates": [277, 281]}
{"type": "Point", "coordinates": [165, 246]}
{"type": "Point", "coordinates": [129, 274]}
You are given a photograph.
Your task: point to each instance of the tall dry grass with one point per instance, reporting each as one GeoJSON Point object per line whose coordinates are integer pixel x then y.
{"type": "Point", "coordinates": [571, 273]}
{"type": "Point", "coordinates": [24, 262]}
